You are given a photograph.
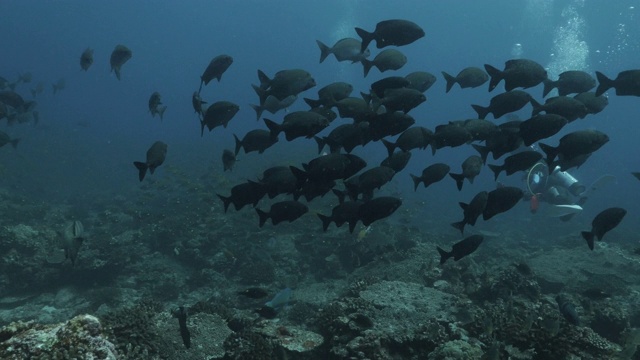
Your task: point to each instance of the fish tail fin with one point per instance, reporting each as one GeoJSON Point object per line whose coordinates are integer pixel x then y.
{"type": "Point", "coordinates": [301, 175]}
{"type": "Point", "coordinates": [264, 216]}
{"type": "Point", "coordinates": [366, 97]}
{"type": "Point", "coordinates": [391, 147]}
{"type": "Point", "coordinates": [366, 38]}
{"type": "Point", "coordinates": [265, 82]}
{"type": "Point", "coordinates": [259, 109]}
{"type": "Point", "coordinates": [548, 86]}
{"type": "Point", "coordinates": [321, 143]}
{"type": "Point", "coordinates": [161, 112]}
{"type": "Point", "coordinates": [449, 79]}
{"type": "Point", "coordinates": [340, 194]}
{"type": "Point", "coordinates": [201, 127]}
{"type": "Point", "coordinates": [238, 144]}
{"type": "Point", "coordinates": [366, 64]}
{"type": "Point", "coordinates": [416, 181]}
{"type": "Point", "coordinates": [550, 151]}
{"type": "Point", "coordinates": [588, 235]}
{"type": "Point", "coordinates": [604, 83]}
{"type": "Point", "coordinates": [496, 170]}
{"type": "Point", "coordinates": [326, 221]}
{"type": "Point", "coordinates": [459, 178]}
{"type": "Point", "coordinates": [117, 71]}
{"type": "Point", "coordinates": [459, 225]}
{"type": "Point", "coordinates": [201, 83]}
{"type": "Point", "coordinates": [443, 255]}
{"type": "Point", "coordinates": [324, 50]}
{"type": "Point", "coordinates": [14, 143]}
{"type": "Point", "coordinates": [142, 169]}
{"type": "Point", "coordinates": [481, 110]}
{"type": "Point", "coordinates": [313, 103]}
{"type": "Point", "coordinates": [352, 226]}
{"type": "Point", "coordinates": [274, 127]}
{"type": "Point", "coordinates": [226, 201]}
{"type": "Point", "coordinates": [495, 75]}
{"type": "Point", "coordinates": [483, 151]}
{"type": "Point", "coordinates": [537, 107]}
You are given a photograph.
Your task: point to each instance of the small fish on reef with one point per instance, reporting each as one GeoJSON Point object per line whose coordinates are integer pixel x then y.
{"type": "Point", "coordinates": [254, 293]}
{"type": "Point", "coordinates": [120, 55]}
{"type": "Point", "coordinates": [461, 249]}
{"type": "Point", "coordinates": [155, 157]}
{"type": "Point", "coordinates": [228, 159]}
{"type": "Point", "coordinates": [568, 310]}
{"type": "Point", "coordinates": [86, 59]}
{"type": "Point", "coordinates": [154, 105]}
{"type": "Point", "coordinates": [604, 222]}
{"type": "Point", "coordinates": [72, 239]}
{"type": "Point", "coordinates": [181, 314]}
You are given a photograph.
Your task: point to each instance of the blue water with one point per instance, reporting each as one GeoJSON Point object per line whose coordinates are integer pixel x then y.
{"type": "Point", "coordinates": [90, 132]}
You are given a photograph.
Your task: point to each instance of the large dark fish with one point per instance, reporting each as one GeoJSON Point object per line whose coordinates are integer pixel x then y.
{"type": "Point", "coordinates": [13, 99]}
{"type": "Point", "coordinates": [605, 221]}
{"type": "Point", "coordinates": [288, 210]}
{"type": "Point", "coordinates": [470, 77]}
{"type": "Point", "coordinates": [347, 49]}
{"type": "Point", "coordinates": [501, 200]}
{"type": "Point", "coordinates": [86, 59]}
{"type": "Point", "coordinates": [397, 161]}
{"type": "Point", "coordinates": [461, 249]}
{"type": "Point", "coordinates": [378, 208]}
{"type": "Point", "coordinates": [472, 211]}
{"type": "Point", "coordinates": [284, 83]}
{"type": "Point", "coordinates": [517, 73]}
{"type": "Point", "coordinates": [329, 167]}
{"type": "Point", "coordinates": [155, 157]}
{"type": "Point", "coordinates": [272, 104]}
{"type": "Point", "coordinates": [279, 180]}
{"type": "Point", "coordinates": [517, 162]}
{"type": "Point", "coordinates": [218, 114]}
{"type": "Point", "coordinates": [594, 104]}
{"type": "Point", "coordinates": [217, 66]}
{"type": "Point", "coordinates": [330, 94]}
{"type": "Point", "coordinates": [120, 55]}
{"type": "Point", "coordinates": [470, 169]}
{"type": "Point", "coordinates": [430, 175]}
{"type": "Point", "coordinates": [298, 124]}
{"type": "Point", "coordinates": [391, 32]}
{"type": "Point", "coordinates": [575, 144]}
{"type": "Point", "coordinates": [404, 99]}
{"type": "Point", "coordinates": [420, 80]}
{"type": "Point", "coordinates": [243, 194]}
{"type": "Point", "coordinates": [565, 106]}
{"type": "Point", "coordinates": [368, 181]}
{"type": "Point", "coordinates": [627, 83]}
{"type": "Point", "coordinates": [570, 82]}
{"type": "Point", "coordinates": [480, 129]}
{"type": "Point", "coordinates": [449, 135]}
{"type": "Point", "coordinates": [416, 137]}
{"type": "Point", "coordinates": [390, 59]}
{"type": "Point", "coordinates": [345, 136]}
{"type": "Point", "coordinates": [390, 82]}
{"type": "Point", "coordinates": [255, 140]}
{"type": "Point", "coordinates": [541, 127]}
{"type": "Point", "coordinates": [504, 103]}
{"type": "Point", "coordinates": [389, 124]}
{"type": "Point", "coordinates": [345, 212]}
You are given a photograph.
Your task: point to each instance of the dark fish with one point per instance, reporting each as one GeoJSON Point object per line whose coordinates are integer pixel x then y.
{"type": "Point", "coordinates": [636, 174]}
{"type": "Point", "coordinates": [330, 94]}
{"type": "Point", "coordinates": [504, 103]}
{"type": "Point", "coordinates": [472, 211]}
{"type": "Point", "coordinates": [288, 210]}
{"type": "Point", "coordinates": [568, 310]}
{"type": "Point", "coordinates": [347, 49]}
{"type": "Point", "coordinates": [228, 159]}
{"type": "Point", "coordinates": [575, 144]}
{"type": "Point", "coordinates": [329, 167]}
{"type": "Point", "coordinates": [461, 249]}
{"type": "Point", "coordinates": [181, 314]}
{"type": "Point", "coordinates": [217, 66]}
{"type": "Point", "coordinates": [279, 180]}
{"type": "Point", "coordinates": [541, 127]}
{"type": "Point", "coordinates": [254, 293]}
{"type": "Point", "coordinates": [391, 32]}
{"type": "Point", "coordinates": [368, 181]}
{"type": "Point", "coordinates": [255, 140]}
{"type": "Point", "coordinates": [627, 83]}
{"type": "Point", "coordinates": [313, 189]}
{"type": "Point", "coordinates": [345, 212]}
{"type": "Point", "coordinates": [517, 73]}
{"type": "Point", "coordinates": [267, 312]}
{"type": "Point", "coordinates": [391, 82]}
{"type": "Point", "coordinates": [430, 175]}
{"type": "Point", "coordinates": [13, 99]}
{"type": "Point", "coordinates": [594, 104]}
{"type": "Point", "coordinates": [272, 104]}
{"type": "Point", "coordinates": [86, 59]}
{"type": "Point", "coordinates": [517, 162]}
{"type": "Point", "coordinates": [480, 129]}
{"type": "Point", "coordinates": [404, 99]}
{"type": "Point", "coordinates": [196, 102]}
{"type": "Point", "coordinates": [565, 106]}
{"type": "Point", "coordinates": [502, 142]}
{"type": "Point", "coordinates": [298, 124]}
{"type": "Point", "coordinates": [284, 83]}
{"type": "Point", "coordinates": [416, 137]}
{"type": "Point", "coordinates": [501, 200]}
{"type": "Point", "coordinates": [378, 208]}
{"type": "Point", "coordinates": [470, 169]}
{"type": "Point", "coordinates": [470, 77]}
{"type": "Point", "coordinates": [420, 80]}
{"type": "Point", "coordinates": [218, 114]}
{"type": "Point", "coordinates": [449, 135]}
{"type": "Point", "coordinates": [73, 237]}
{"type": "Point", "coordinates": [326, 112]}
{"type": "Point", "coordinates": [155, 157]}
{"type": "Point", "coordinates": [39, 89]}
{"type": "Point", "coordinates": [120, 55]}
{"type": "Point", "coordinates": [397, 161]}
{"type": "Point", "coordinates": [346, 136]}
{"type": "Point", "coordinates": [6, 139]}
{"type": "Point", "coordinates": [59, 85]}
{"type": "Point", "coordinates": [389, 124]}
{"type": "Point", "coordinates": [389, 59]}
{"type": "Point", "coordinates": [605, 221]}
{"type": "Point", "coordinates": [354, 108]}
{"type": "Point", "coordinates": [243, 194]}
{"type": "Point", "coordinates": [154, 105]}
{"type": "Point", "coordinates": [570, 82]}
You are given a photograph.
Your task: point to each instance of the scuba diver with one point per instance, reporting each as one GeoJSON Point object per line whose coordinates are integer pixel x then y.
{"type": "Point", "coordinates": [563, 192]}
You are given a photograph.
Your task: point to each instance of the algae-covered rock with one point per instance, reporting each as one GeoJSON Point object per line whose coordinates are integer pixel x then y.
{"type": "Point", "coordinates": [456, 350]}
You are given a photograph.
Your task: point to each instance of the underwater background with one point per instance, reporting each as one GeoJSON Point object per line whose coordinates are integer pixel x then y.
{"type": "Point", "coordinates": [378, 293]}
